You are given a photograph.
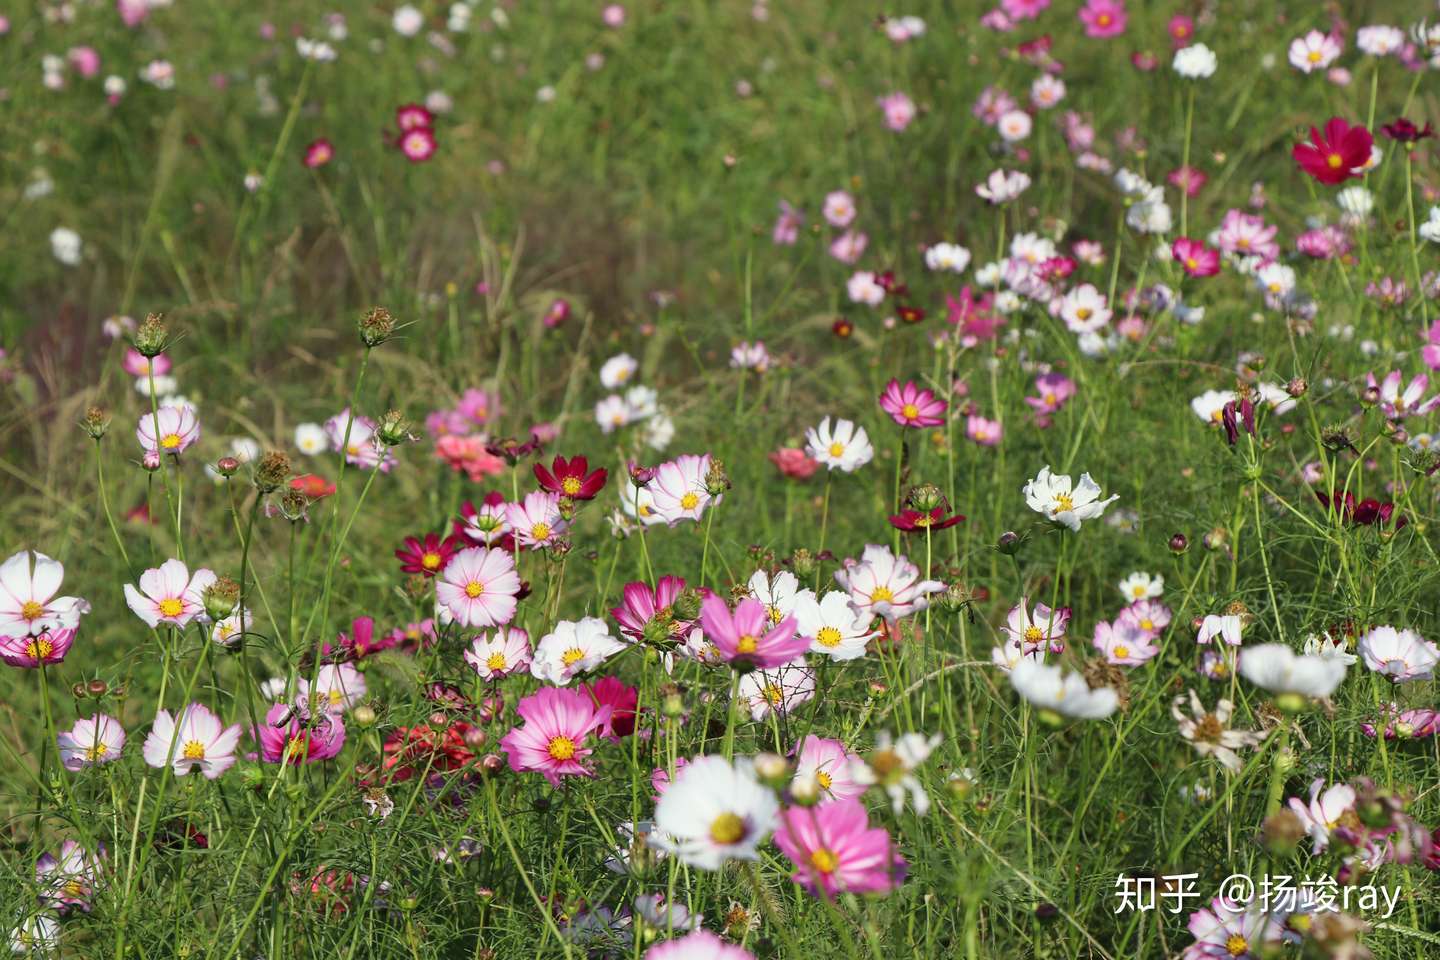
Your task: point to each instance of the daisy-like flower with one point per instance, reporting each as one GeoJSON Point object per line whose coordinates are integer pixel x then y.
{"type": "Point", "coordinates": [749, 638]}
{"type": "Point", "coordinates": [1014, 126]}
{"type": "Point", "coordinates": [38, 934]}
{"type": "Point", "coordinates": [678, 489]}
{"type": "Point", "coordinates": [947, 257]}
{"type": "Point", "coordinates": [536, 521]}
{"type": "Point", "coordinates": [1149, 616]}
{"type": "Point", "coordinates": [1196, 259]}
{"type": "Point", "coordinates": [698, 945]}
{"type": "Point", "coordinates": [1084, 309]}
{"type": "Point", "coordinates": [832, 625]}
{"type": "Point", "coordinates": [1398, 404]}
{"type": "Point", "coordinates": [640, 605]}
{"type": "Point", "coordinates": [1341, 153]}
{"type": "Point", "coordinates": [169, 429]}
{"type": "Point", "coordinates": [656, 914]}
{"type": "Point", "coordinates": [1210, 734]}
{"type": "Point", "coordinates": [338, 687]}
{"type": "Point", "coordinates": [288, 735]}
{"type": "Point", "coordinates": [892, 765]}
{"type": "Point", "coordinates": [486, 524]}
{"type": "Point", "coordinates": [1379, 40]}
{"type": "Point", "coordinates": [864, 287]}
{"type": "Point", "coordinates": [835, 850]}
{"type": "Point", "coordinates": [1324, 811]}
{"type": "Point", "coordinates": [479, 586]}
{"type": "Point", "coordinates": [1195, 62]}
{"type": "Point", "coordinates": [1142, 586]}
{"type": "Point", "coordinates": [830, 766]}
{"type": "Point", "coordinates": [912, 406]}
{"type": "Point", "coordinates": [499, 654]}
{"type": "Point", "coordinates": [418, 144]}
{"type": "Point", "coordinates": [714, 811]}
{"type": "Point", "coordinates": [571, 478]}
{"type": "Point", "coordinates": [1314, 51]}
{"type": "Point", "coordinates": [197, 740]}
{"type": "Point", "coordinates": [987, 433]}
{"type": "Point", "coordinates": [318, 153]}
{"type": "Point", "coordinates": [97, 739]}
{"type": "Point", "coordinates": [1231, 931]}
{"type": "Point", "coordinates": [839, 209]}
{"type": "Point", "coordinates": [1210, 405]}
{"type": "Point", "coordinates": [552, 738]}
{"type": "Point", "coordinates": [1002, 187]}
{"type": "Point", "coordinates": [1123, 644]}
{"type": "Point", "coordinates": [573, 648]}
{"type": "Point", "coordinates": [618, 371]}
{"type": "Point", "coordinates": [355, 437]}
{"type": "Point", "coordinates": [846, 447]}
{"type": "Point", "coordinates": [31, 650]}
{"type": "Point", "coordinates": [429, 556]}
{"type": "Point", "coordinates": [1225, 626]}
{"type": "Point", "coordinates": [1050, 688]}
{"type": "Point", "coordinates": [778, 690]}
{"type": "Point", "coordinates": [881, 584]}
{"type": "Point", "coordinates": [229, 631]}
{"type": "Point", "coordinates": [1398, 654]}
{"type": "Point", "coordinates": [170, 594]}
{"type": "Point", "coordinates": [1061, 502]}
{"type": "Point", "coordinates": [1037, 631]}
{"type": "Point", "coordinates": [639, 504]}
{"type": "Point", "coordinates": [780, 593]}
{"type": "Point", "coordinates": [1334, 648]}
{"type": "Point", "coordinates": [898, 109]}
{"type": "Point", "coordinates": [1277, 668]}
{"type": "Point", "coordinates": [68, 881]}
{"type": "Point", "coordinates": [1104, 18]}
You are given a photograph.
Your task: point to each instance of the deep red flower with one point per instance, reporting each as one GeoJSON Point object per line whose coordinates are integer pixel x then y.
{"type": "Point", "coordinates": [1404, 131]}
{"type": "Point", "coordinates": [410, 747]}
{"type": "Point", "coordinates": [570, 478]}
{"type": "Point", "coordinates": [910, 314]}
{"type": "Point", "coordinates": [1337, 155]}
{"type": "Point", "coordinates": [621, 698]}
{"type": "Point", "coordinates": [314, 486]}
{"type": "Point", "coordinates": [842, 328]}
{"type": "Point", "coordinates": [1368, 512]}
{"type": "Point", "coordinates": [914, 521]}
{"type": "Point", "coordinates": [428, 556]}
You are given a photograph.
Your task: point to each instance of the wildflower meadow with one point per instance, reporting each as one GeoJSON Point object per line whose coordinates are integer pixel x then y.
{"type": "Point", "coordinates": [685, 480]}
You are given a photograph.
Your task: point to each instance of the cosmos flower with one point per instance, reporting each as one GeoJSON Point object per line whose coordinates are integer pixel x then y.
{"type": "Point", "coordinates": [892, 765]}
{"type": "Point", "coordinates": [287, 735]}
{"type": "Point", "coordinates": [479, 586]}
{"type": "Point", "coordinates": [697, 945]}
{"type": "Point", "coordinates": [1324, 811]}
{"type": "Point", "coordinates": [1400, 655]}
{"type": "Point", "coordinates": [1002, 187]}
{"type": "Point", "coordinates": [318, 153]}
{"type": "Point", "coordinates": [338, 687]}
{"type": "Point", "coordinates": [97, 739]}
{"type": "Point", "coordinates": [1314, 51]}
{"type": "Point", "coordinates": [356, 438]}
{"type": "Point", "coordinates": [1123, 644]}
{"type": "Point", "coordinates": [68, 881]}
{"type": "Point", "coordinates": [536, 521]}
{"type": "Point", "coordinates": [846, 447]}
{"type": "Point", "coordinates": [1054, 496]}
{"type": "Point", "coordinates": [1209, 733]}
{"type": "Point", "coordinates": [713, 812]}
{"type": "Point", "coordinates": [1195, 62]}
{"type": "Point", "coordinates": [31, 650]}
{"type": "Point", "coordinates": [571, 478]}
{"type": "Point", "coordinates": [572, 648]}
{"type": "Point", "coordinates": [499, 654]}
{"type": "Point", "coordinates": [679, 491]}
{"type": "Point", "coordinates": [170, 594]}
{"type": "Point", "coordinates": [834, 849]}
{"type": "Point", "coordinates": [1049, 688]}
{"type": "Point", "coordinates": [830, 766]}
{"type": "Point", "coordinates": [748, 637]}
{"type": "Point", "coordinates": [832, 625]}
{"type": "Point", "coordinates": [1227, 627]}
{"type": "Point", "coordinates": [912, 406]}
{"type": "Point", "coordinates": [197, 740]}
{"type": "Point", "coordinates": [1341, 153]}
{"type": "Point", "coordinates": [29, 581]}
{"type": "Point", "coordinates": [1278, 669]}
{"type": "Point", "coordinates": [1397, 404]}
{"type": "Point", "coordinates": [178, 428]}
{"type": "Point", "coordinates": [1104, 18]}
{"type": "Point", "coordinates": [1196, 259]}
{"type": "Point", "coordinates": [881, 584]}
{"type": "Point", "coordinates": [1223, 932]}
{"type": "Point", "coordinates": [552, 738]}
{"type": "Point", "coordinates": [1054, 390]}
{"type": "Point", "coordinates": [428, 556]}
{"type": "Point", "coordinates": [778, 690]}
{"type": "Point", "coordinates": [839, 209]}
{"type": "Point", "coordinates": [899, 110]}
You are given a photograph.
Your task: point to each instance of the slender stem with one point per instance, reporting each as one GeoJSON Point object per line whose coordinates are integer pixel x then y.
{"type": "Point", "coordinates": [105, 503]}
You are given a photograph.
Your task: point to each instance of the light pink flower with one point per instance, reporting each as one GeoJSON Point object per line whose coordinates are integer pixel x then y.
{"type": "Point", "coordinates": [478, 587]}
{"type": "Point", "coordinates": [170, 594]}
{"type": "Point", "coordinates": [198, 739]}
{"type": "Point", "coordinates": [168, 429]}
{"type": "Point", "coordinates": [552, 739]}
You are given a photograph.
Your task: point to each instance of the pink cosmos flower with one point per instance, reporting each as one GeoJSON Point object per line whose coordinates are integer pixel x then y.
{"type": "Point", "coordinates": [288, 736]}
{"type": "Point", "coordinates": [168, 429]}
{"type": "Point", "coordinates": [992, 104]}
{"type": "Point", "coordinates": [536, 521]}
{"type": "Point", "coordinates": [1149, 616]}
{"type": "Point", "coordinates": [1395, 404]}
{"type": "Point", "coordinates": [1223, 932]}
{"type": "Point", "coordinates": [912, 406]}
{"type": "Point", "coordinates": [881, 584]}
{"type": "Point", "coordinates": [698, 945]}
{"type": "Point", "coordinates": [835, 850]}
{"type": "Point", "coordinates": [68, 881]}
{"type": "Point", "coordinates": [338, 687]}
{"type": "Point", "coordinates": [849, 246]}
{"type": "Point", "coordinates": [831, 766]}
{"type": "Point", "coordinates": [678, 489]}
{"type": "Point", "coordinates": [1123, 644]}
{"type": "Point", "coordinates": [640, 604]}
{"type": "Point", "coordinates": [839, 209]}
{"type": "Point", "coordinates": [1038, 630]}
{"type": "Point", "coordinates": [1181, 29]}
{"type": "Point", "coordinates": [413, 116]}
{"type": "Point", "coordinates": [318, 153]}
{"type": "Point", "coordinates": [31, 650]}
{"type": "Point", "coordinates": [478, 586]}
{"type": "Point", "coordinates": [1191, 180]}
{"type": "Point", "coordinates": [500, 654]}
{"type": "Point", "coordinates": [899, 110]}
{"type": "Point", "coordinates": [1246, 235]}
{"type": "Point", "coordinates": [552, 739]}
{"type": "Point", "coordinates": [1104, 18]}
{"type": "Point", "coordinates": [1054, 390]}
{"type": "Point", "coordinates": [1024, 9]}
{"type": "Point", "coordinates": [1430, 353]}
{"type": "Point", "coordinates": [418, 145]}
{"type": "Point", "coordinates": [197, 739]}
{"type": "Point", "coordinates": [987, 433]}
{"type": "Point", "coordinates": [169, 594]}
{"type": "Point", "coordinates": [29, 581]}
{"type": "Point", "coordinates": [787, 226]}
{"type": "Point", "coordinates": [1314, 51]}
{"type": "Point", "coordinates": [1196, 259]}
{"type": "Point", "coordinates": [97, 739]}
{"type": "Point", "coordinates": [623, 701]}
{"type": "Point", "coordinates": [133, 12]}
{"type": "Point", "coordinates": [747, 637]}
{"type": "Point", "coordinates": [1323, 243]}
{"type": "Point", "coordinates": [137, 364]}
{"type": "Point", "coordinates": [1323, 812]}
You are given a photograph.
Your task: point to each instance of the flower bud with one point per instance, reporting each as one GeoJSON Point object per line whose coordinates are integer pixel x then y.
{"type": "Point", "coordinates": [673, 705]}
{"type": "Point", "coordinates": [376, 327]}
{"type": "Point", "coordinates": [220, 598]}
{"type": "Point", "coordinates": [717, 481]}
{"type": "Point", "coordinates": [97, 688]}
{"type": "Point", "coordinates": [226, 467]}
{"type": "Point", "coordinates": [1216, 539]}
{"type": "Point", "coordinates": [771, 768]}
{"type": "Point", "coordinates": [687, 605]}
{"type": "Point", "coordinates": [1179, 543]}
{"type": "Point", "coordinates": [492, 763]}
{"type": "Point", "coordinates": [394, 429]}
{"type": "Point", "coordinates": [79, 691]}
{"type": "Point", "coordinates": [805, 790]}
{"type": "Point", "coordinates": [151, 460]}
{"type": "Point", "coordinates": [96, 422]}
{"type": "Point", "coordinates": [1009, 543]}
{"type": "Point", "coordinates": [1297, 387]}
{"type": "Point", "coordinates": [1370, 396]}
{"type": "Point", "coordinates": [803, 562]}
{"type": "Point", "coordinates": [363, 715]}
{"type": "Point", "coordinates": [271, 472]}
{"type": "Point", "coordinates": [475, 738]}
{"type": "Point", "coordinates": [294, 505]}
{"type": "Point", "coordinates": [1282, 832]}
{"type": "Point", "coordinates": [152, 336]}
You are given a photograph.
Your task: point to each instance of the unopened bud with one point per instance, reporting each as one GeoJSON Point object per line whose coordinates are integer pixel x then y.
{"type": "Point", "coordinates": [394, 429]}
{"type": "Point", "coordinates": [805, 790]}
{"type": "Point", "coordinates": [717, 481]}
{"type": "Point", "coordinates": [475, 738]}
{"type": "Point", "coordinates": [226, 467]}
{"type": "Point", "coordinates": [1179, 543]}
{"type": "Point", "coordinates": [1282, 832]}
{"type": "Point", "coordinates": [376, 327]}
{"type": "Point", "coordinates": [771, 767]}
{"type": "Point", "coordinates": [1297, 387]}
{"type": "Point", "coordinates": [1009, 543]}
{"type": "Point", "coordinates": [363, 715]}
{"type": "Point", "coordinates": [687, 605]}
{"type": "Point", "coordinates": [1216, 539]}
{"type": "Point", "coordinates": [802, 561]}
{"type": "Point", "coordinates": [492, 763]}
{"type": "Point", "coordinates": [97, 688]}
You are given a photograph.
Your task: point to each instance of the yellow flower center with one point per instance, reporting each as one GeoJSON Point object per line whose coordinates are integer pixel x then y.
{"type": "Point", "coordinates": [1121, 652]}
{"type": "Point", "coordinates": [775, 614]}
{"type": "Point", "coordinates": [561, 748]}
{"type": "Point", "coordinates": [1049, 399]}
{"type": "Point", "coordinates": [824, 860]}
{"type": "Point", "coordinates": [540, 531]}
{"type": "Point", "coordinates": [335, 696]}
{"type": "Point", "coordinates": [1034, 634]}
{"type": "Point", "coordinates": [1236, 945]}
{"type": "Point", "coordinates": [474, 589]}
{"type": "Point", "coordinates": [74, 888]}
{"type": "Point", "coordinates": [170, 441]}
{"type": "Point", "coordinates": [773, 694]}
{"type": "Point", "coordinates": [836, 449]}
{"type": "Point", "coordinates": [431, 561]}
{"type": "Point", "coordinates": [570, 485]}
{"type": "Point", "coordinates": [96, 752]}
{"type": "Point", "coordinates": [1083, 313]}
{"type": "Point", "coordinates": [194, 750]}
{"type": "Point", "coordinates": [295, 746]}
{"type": "Point", "coordinates": [572, 656]}
{"type": "Point", "coordinates": [1064, 503]}
{"type": "Point", "coordinates": [727, 828]}
{"type": "Point", "coordinates": [171, 607]}
{"type": "Point", "coordinates": [910, 411]}
{"type": "Point", "coordinates": [1314, 56]}
{"type": "Point", "coordinates": [824, 779]}
{"type": "Point", "coordinates": [1334, 161]}
{"type": "Point", "coordinates": [31, 610]}
{"type": "Point", "coordinates": [1147, 624]}
{"type": "Point", "coordinates": [40, 648]}
{"type": "Point", "coordinates": [1103, 20]}
{"type": "Point", "coordinates": [828, 637]}
{"type": "Point", "coordinates": [690, 500]}
{"type": "Point", "coordinates": [746, 644]}
{"type": "Point", "coordinates": [496, 661]}
{"type": "Point", "coordinates": [881, 595]}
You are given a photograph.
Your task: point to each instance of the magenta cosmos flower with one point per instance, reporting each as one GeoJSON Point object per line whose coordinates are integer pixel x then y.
{"type": "Point", "coordinates": [1104, 18]}
{"type": "Point", "coordinates": [197, 739]}
{"type": "Point", "coordinates": [699, 945]}
{"type": "Point", "coordinates": [831, 766]}
{"type": "Point", "coordinates": [912, 406]}
{"type": "Point", "coordinates": [1196, 259]}
{"type": "Point", "coordinates": [552, 739]}
{"type": "Point", "coordinates": [479, 586]}
{"type": "Point", "coordinates": [747, 637]}
{"type": "Point", "coordinates": [31, 651]}
{"type": "Point", "coordinates": [835, 849]}
{"type": "Point", "coordinates": [287, 736]}
{"type": "Point", "coordinates": [640, 604]}
{"type": "Point", "coordinates": [168, 429]}
{"type": "Point", "coordinates": [169, 594]}
{"type": "Point", "coordinates": [29, 581]}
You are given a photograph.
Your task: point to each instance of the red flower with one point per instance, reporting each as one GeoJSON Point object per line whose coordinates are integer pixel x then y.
{"type": "Point", "coordinates": [1405, 131]}
{"type": "Point", "coordinates": [621, 698]}
{"type": "Point", "coordinates": [913, 521]}
{"type": "Point", "coordinates": [428, 556]}
{"type": "Point", "coordinates": [314, 486]}
{"type": "Point", "coordinates": [412, 116]}
{"type": "Point", "coordinates": [910, 314]}
{"type": "Point", "coordinates": [1338, 155]}
{"type": "Point", "coordinates": [318, 153]}
{"type": "Point", "coordinates": [842, 328]}
{"type": "Point", "coordinates": [410, 747]}
{"type": "Point", "coordinates": [570, 479]}
{"type": "Point", "coordinates": [1195, 258]}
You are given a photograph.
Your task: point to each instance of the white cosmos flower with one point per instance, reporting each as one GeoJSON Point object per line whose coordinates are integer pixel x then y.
{"type": "Point", "coordinates": [66, 245]}
{"type": "Point", "coordinates": [170, 594]}
{"type": "Point", "coordinates": [1195, 62]}
{"type": "Point", "coordinates": [892, 765]}
{"type": "Point", "coordinates": [881, 584]}
{"type": "Point", "coordinates": [612, 413]}
{"type": "Point", "coordinates": [1430, 229]}
{"type": "Point", "coordinates": [1314, 51]}
{"type": "Point", "coordinates": [1277, 668]}
{"type": "Point", "coordinates": [714, 811]}
{"type": "Point", "coordinates": [1054, 496]}
{"type": "Point", "coordinates": [1048, 687]}
{"type": "Point", "coordinates": [338, 687]}
{"type": "Point", "coordinates": [832, 626]}
{"type": "Point", "coordinates": [1398, 654]}
{"type": "Point", "coordinates": [617, 371]}
{"type": "Point", "coordinates": [1002, 187]}
{"type": "Point", "coordinates": [311, 440]}
{"type": "Point", "coordinates": [1084, 309]}
{"type": "Point", "coordinates": [407, 21]}
{"type": "Point", "coordinates": [1210, 405]}
{"type": "Point", "coordinates": [639, 503]}
{"type": "Point", "coordinates": [29, 581]}
{"type": "Point", "coordinates": [777, 690]}
{"type": "Point", "coordinates": [1225, 626]}
{"type": "Point", "coordinates": [196, 739]}
{"type": "Point", "coordinates": [1322, 814]}
{"type": "Point", "coordinates": [780, 593]}
{"type": "Point", "coordinates": [1276, 279]}
{"type": "Point", "coordinates": [573, 648]}
{"type": "Point", "coordinates": [949, 257]}
{"type": "Point", "coordinates": [845, 447]}
{"type": "Point", "coordinates": [1330, 648]}
{"type": "Point", "coordinates": [1378, 40]}
{"type": "Point", "coordinates": [1015, 126]}
{"type": "Point", "coordinates": [1142, 586]}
